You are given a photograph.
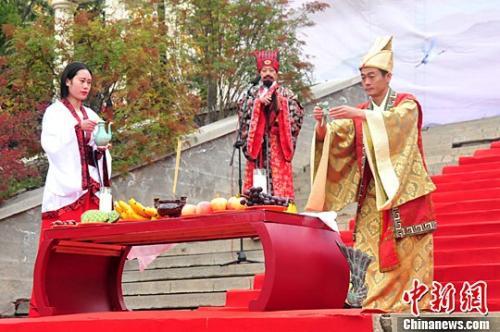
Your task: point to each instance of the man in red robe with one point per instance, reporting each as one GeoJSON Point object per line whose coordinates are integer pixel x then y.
{"type": "Point", "coordinates": [270, 122]}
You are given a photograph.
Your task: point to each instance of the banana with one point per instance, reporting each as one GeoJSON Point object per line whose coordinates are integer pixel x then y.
{"type": "Point", "coordinates": [138, 208]}
{"type": "Point", "coordinates": [135, 216]}
{"type": "Point", "coordinates": [123, 205]}
{"type": "Point", "coordinates": [118, 208]}
{"type": "Point", "coordinates": [151, 212]}
{"type": "Point", "coordinates": [145, 211]}
{"type": "Point", "coordinates": [134, 210]}
{"type": "Point", "coordinates": [128, 212]}
{"type": "Point", "coordinates": [292, 208]}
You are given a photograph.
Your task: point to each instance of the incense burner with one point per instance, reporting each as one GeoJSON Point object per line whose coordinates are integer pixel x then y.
{"type": "Point", "coordinates": [170, 207]}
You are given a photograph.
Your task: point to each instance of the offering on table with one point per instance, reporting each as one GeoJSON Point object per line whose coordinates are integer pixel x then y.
{"type": "Point", "coordinates": [134, 210]}
{"type": "Point", "coordinates": [170, 207]}
{"type": "Point", "coordinates": [97, 216]}
{"type": "Point", "coordinates": [256, 197]}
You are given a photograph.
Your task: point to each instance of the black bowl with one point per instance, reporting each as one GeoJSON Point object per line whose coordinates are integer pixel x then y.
{"type": "Point", "coordinates": [170, 207]}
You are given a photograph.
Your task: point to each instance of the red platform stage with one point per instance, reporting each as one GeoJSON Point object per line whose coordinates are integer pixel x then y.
{"type": "Point", "coordinates": [212, 320]}
{"type": "Point", "coordinates": [77, 278]}
{"type": "Point", "coordinates": [79, 268]}
{"type": "Point", "coordinates": [466, 249]}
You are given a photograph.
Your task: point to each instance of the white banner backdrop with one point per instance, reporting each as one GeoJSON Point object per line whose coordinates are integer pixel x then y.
{"type": "Point", "coordinates": [447, 52]}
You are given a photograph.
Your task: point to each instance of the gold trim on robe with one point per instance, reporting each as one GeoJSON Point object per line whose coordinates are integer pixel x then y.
{"type": "Point", "coordinates": [394, 157]}
{"type": "Point", "coordinates": [334, 163]}
{"type": "Point", "coordinates": [385, 289]}
{"type": "Point", "coordinates": [391, 144]}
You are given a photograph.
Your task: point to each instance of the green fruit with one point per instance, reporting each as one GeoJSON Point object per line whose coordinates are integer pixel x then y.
{"type": "Point", "coordinates": [113, 216]}
{"type": "Point", "coordinates": [94, 216]}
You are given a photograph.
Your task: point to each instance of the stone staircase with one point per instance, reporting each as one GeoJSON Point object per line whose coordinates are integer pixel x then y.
{"type": "Point", "coordinates": [190, 275]}
{"type": "Point", "coordinates": [466, 243]}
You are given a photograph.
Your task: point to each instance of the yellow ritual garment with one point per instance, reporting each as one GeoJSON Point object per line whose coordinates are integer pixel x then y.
{"type": "Point", "coordinates": [379, 164]}
{"type": "Point", "coordinates": [385, 289]}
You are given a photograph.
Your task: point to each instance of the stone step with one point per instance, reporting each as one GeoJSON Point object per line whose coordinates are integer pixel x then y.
{"type": "Point", "coordinates": [455, 135]}
{"type": "Point", "coordinates": [487, 152]}
{"type": "Point", "coordinates": [197, 272]}
{"type": "Point", "coordinates": [469, 160]}
{"type": "Point", "coordinates": [457, 256]}
{"type": "Point", "coordinates": [467, 126]}
{"type": "Point", "coordinates": [468, 185]}
{"type": "Point", "coordinates": [202, 247]}
{"type": "Point", "coordinates": [187, 286]}
{"type": "Point", "coordinates": [241, 298]}
{"type": "Point", "coordinates": [206, 259]}
{"type": "Point", "coordinates": [175, 301]}
{"type": "Point", "coordinates": [470, 271]}
{"type": "Point", "coordinates": [445, 150]}
{"type": "Point", "coordinates": [472, 218]}
{"type": "Point", "coordinates": [436, 169]}
{"type": "Point", "coordinates": [457, 196]}
{"type": "Point", "coordinates": [467, 206]}
{"type": "Point", "coordinates": [470, 168]}
{"type": "Point", "coordinates": [469, 176]}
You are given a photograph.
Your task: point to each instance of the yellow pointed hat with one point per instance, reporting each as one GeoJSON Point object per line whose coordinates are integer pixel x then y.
{"type": "Point", "coordinates": [380, 55]}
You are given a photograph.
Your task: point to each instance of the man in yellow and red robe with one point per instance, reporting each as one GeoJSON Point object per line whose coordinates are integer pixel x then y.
{"type": "Point", "coordinates": [271, 112]}
{"type": "Point", "coordinates": [372, 154]}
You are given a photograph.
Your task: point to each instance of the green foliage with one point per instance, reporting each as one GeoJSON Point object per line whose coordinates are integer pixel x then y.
{"type": "Point", "coordinates": [224, 33]}
{"type": "Point", "coordinates": [132, 64]}
{"type": "Point", "coordinates": [150, 65]}
{"type": "Point", "coordinates": [17, 13]}
{"type": "Point", "coordinates": [26, 85]}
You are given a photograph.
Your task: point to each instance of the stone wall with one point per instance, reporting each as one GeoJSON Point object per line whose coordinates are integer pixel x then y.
{"type": "Point", "coordinates": [204, 173]}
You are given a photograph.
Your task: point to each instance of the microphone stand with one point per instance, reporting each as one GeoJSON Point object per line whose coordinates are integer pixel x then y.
{"type": "Point", "coordinates": [241, 256]}
{"type": "Point", "coordinates": [268, 110]}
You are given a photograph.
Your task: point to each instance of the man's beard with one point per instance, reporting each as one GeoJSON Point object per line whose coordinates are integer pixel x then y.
{"type": "Point", "coordinates": [267, 81]}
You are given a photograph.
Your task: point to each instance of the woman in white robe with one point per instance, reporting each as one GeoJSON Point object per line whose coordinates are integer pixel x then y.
{"type": "Point", "coordinates": [72, 182]}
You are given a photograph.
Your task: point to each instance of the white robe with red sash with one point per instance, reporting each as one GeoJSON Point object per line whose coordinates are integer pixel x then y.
{"type": "Point", "coordinates": [64, 184]}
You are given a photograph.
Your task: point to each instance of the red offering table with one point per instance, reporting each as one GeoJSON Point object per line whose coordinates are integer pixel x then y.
{"type": "Point", "coordinates": [79, 268]}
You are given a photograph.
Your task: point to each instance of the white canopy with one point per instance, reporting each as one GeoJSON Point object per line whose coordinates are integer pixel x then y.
{"type": "Point", "coordinates": [447, 52]}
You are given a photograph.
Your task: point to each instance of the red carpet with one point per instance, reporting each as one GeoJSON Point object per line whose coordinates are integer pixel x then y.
{"type": "Point", "coordinates": [194, 321]}
{"type": "Point", "coordinates": [467, 242]}
{"type": "Point", "coordinates": [468, 210]}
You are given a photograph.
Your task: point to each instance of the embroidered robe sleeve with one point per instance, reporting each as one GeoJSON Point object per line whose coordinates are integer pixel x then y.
{"type": "Point", "coordinates": [296, 114]}
{"type": "Point", "coordinates": [334, 172]}
{"type": "Point", "coordinates": [245, 108]}
{"type": "Point", "coordinates": [295, 117]}
{"type": "Point", "coordinates": [390, 138]}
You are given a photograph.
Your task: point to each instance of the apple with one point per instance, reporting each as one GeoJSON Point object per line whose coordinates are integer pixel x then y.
{"type": "Point", "coordinates": [234, 203]}
{"type": "Point", "coordinates": [188, 210]}
{"type": "Point", "coordinates": [218, 204]}
{"type": "Point", "coordinates": [203, 207]}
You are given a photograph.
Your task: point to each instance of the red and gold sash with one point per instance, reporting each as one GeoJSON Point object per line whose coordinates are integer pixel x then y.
{"type": "Point", "coordinates": [257, 128]}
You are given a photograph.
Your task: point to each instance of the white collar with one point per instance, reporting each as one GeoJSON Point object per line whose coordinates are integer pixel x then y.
{"type": "Point", "coordinates": [381, 108]}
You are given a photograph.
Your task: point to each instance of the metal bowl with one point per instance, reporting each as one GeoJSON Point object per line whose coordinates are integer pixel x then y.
{"type": "Point", "coordinates": [170, 207]}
